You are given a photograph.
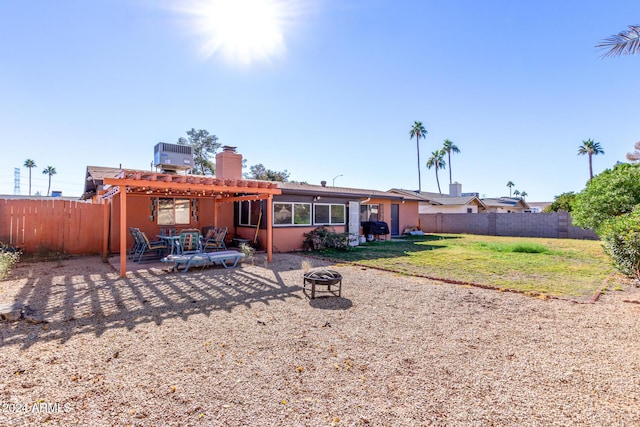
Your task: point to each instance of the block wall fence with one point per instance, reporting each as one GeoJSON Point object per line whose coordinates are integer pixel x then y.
{"type": "Point", "coordinates": [552, 225]}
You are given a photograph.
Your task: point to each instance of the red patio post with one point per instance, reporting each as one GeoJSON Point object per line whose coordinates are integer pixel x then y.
{"type": "Point", "coordinates": [270, 228]}
{"type": "Point", "coordinates": [123, 231]}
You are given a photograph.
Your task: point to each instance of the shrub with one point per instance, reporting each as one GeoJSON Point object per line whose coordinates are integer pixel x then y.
{"type": "Point", "coordinates": [322, 238]}
{"type": "Point", "coordinates": [8, 258]}
{"type": "Point", "coordinates": [563, 202]}
{"type": "Point", "coordinates": [621, 241]}
{"type": "Point", "coordinates": [247, 250]}
{"type": "Point", "coordinates": [609, 194]}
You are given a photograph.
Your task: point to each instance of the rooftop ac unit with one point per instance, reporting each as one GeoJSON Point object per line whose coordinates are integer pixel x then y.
{"type": "Point", "coordinates": [173, 157]}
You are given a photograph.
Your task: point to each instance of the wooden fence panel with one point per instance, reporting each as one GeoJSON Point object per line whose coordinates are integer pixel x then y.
{"type": "Point", "coordinates": [52, 224]}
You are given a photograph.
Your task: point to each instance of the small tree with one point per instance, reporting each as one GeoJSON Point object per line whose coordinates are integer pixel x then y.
{"type": "Point", "coordinates": [562, 202]}
{"type": "Point", "coordinates": [29, 164]}
{"type": "Point", "coordinates": [260, 172]}
{"type": "Point", "coordinates": [436, 161]}
{"type": "Point", "coordinates": [49, 170]}
{"type": "Point", "coordinates": [418, 130]}
{"type": "Point", "coordinates": [204, 147]}
{"type": "Point", "coordinates": [510, 184]}
{"type": "Point", "coordinates": [449, 147]}
{"type": "Point", "coordinates": [590, 148]}
{"type": "Point", "coordinates": [516, 193]}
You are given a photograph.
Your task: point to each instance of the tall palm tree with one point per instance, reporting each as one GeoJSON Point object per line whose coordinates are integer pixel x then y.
{"type": "Point", "coordinates": [590, 148]}
{"type": "Point", "coordinates": [29, 164]}
{"type": "Point", "coordinates": [623, 43]}
{"type": "Point", "coordinates": [437, 161]}
{"type": "Point", "coordinates": [516, 193]}
{"type": "Point", "coordinates": [418, 131]}
{"type": "Point", "coordinates": [49, 170]}
{"type": "Point", "coordinates": [523, 195]}
{"type": "Point", "coordinates": [449, 147]}
{"type": "Point", "coordinates": [510, 184]}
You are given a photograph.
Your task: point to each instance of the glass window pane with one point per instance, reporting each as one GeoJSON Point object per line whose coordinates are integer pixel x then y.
{"type": "Point", "coordinates": [255, 212]}
{"type": "Point", "coordinates": [282, 213]}
{"type": "Point", "coordinates": [183, 211]}
{"type": "Point", "coordinates": [302, 213]}
{"type": "Point", "coordinates": [244, 213]}
{"type": "Point", "coordinates": [337, 214]}
{"type": "Point", "coordinates": [165, 212]}
{"type": "Point", "coordinates": [321, 215]}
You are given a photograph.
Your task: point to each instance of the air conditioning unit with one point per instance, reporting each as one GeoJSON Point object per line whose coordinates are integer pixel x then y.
{"type": "Point", "coordinates": [173, 157]}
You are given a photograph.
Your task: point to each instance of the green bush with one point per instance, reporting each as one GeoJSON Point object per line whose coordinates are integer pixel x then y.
{"type": "Point", "coordinates": [8, 258]}
{"type": "Point", "coordinates": [609, 194]}
{"type": "Point", "coordinates": [621, 241]}
{"type": "Point", "coordinates": [322, 238]}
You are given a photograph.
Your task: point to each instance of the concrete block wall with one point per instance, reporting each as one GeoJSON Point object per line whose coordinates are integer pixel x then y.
{"type": "Point", "coordinates": [550, 225]}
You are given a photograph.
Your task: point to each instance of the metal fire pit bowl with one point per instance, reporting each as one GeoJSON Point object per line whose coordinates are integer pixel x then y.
{"type": "Point", "coordinates": [329, 278]}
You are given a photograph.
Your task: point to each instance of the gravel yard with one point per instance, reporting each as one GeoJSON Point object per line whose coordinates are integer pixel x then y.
{"type": "Point", "coordinates": [219, 347]}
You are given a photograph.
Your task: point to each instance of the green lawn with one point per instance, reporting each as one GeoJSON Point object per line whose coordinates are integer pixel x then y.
{"type": "Point", "coordinates": [558, 267]}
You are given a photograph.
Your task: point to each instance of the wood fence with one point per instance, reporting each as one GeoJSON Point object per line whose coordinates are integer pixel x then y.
{"type": "Point", "coordinates": [52, 224]}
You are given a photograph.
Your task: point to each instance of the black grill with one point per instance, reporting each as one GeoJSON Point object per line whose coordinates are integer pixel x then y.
{"type": "Point", "coordinates": [375, 227]}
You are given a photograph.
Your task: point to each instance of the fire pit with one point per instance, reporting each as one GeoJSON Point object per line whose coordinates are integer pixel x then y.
{"type": "Point", "coordinates": [328, 278]}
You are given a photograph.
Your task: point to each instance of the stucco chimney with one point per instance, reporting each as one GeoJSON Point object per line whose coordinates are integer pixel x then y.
{"type": "Point", "coordinates": [228, 163]}
{"type": "Point", "coordinates": [323, 183]}
{"type": "Point", "coordinates": [455, 189]}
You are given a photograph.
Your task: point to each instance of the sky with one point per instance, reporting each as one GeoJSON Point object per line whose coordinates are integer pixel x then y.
{"type": "Point", "coordinates": [326, 89]}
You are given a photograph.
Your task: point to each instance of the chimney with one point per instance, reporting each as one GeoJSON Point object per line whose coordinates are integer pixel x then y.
{"type": "Point", "coordinates": [228, 163]}
{"type": "Point", "coordinates": [323, 183]}
{"type": "Point", "coordinates": [455, 189]}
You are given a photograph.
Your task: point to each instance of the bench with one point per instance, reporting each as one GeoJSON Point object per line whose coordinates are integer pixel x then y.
{"type": "Point", "coordinates": [228, 259]}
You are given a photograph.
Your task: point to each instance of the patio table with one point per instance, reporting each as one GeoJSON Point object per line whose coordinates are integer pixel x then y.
{"type": "Point", "coordinates": [173, 242]}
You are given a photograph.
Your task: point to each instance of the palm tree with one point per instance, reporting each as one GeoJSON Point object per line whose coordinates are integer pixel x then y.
{"type": "Point", "coordinates": [590, 148]}
{"type": "Point", "coordinates": [49, 170]}
{"type": "Point", "coordinates": [523, 195]}
{"type": "Point", "coordinates": [449, 147]}
{"type": "Point", "coordinates": [510, 184]}
{"type": "Point", "coordinates": [418, 131]}
{"type": "Point", "coordinates": [516, 193]}
{"type": "Point", "coordinates": [437, 160]}
{"type": "Point", "coordinates": [29, 164]}
{"type": "Point", "coordinates": [623, 43]}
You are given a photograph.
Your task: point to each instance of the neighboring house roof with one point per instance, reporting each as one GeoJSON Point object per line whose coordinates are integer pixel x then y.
{"type": "Point", "coordinates": [298, 188]}
{"type": "Point", "coordinates": [539, 205]}
{"type": "Point", "coordinates": [440, 199]}
{"type": "Point", "coordinates": [506, 202]}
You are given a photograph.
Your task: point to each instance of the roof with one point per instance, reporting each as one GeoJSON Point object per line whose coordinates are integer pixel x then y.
{"type": "Point", "coordinates": [298, 188]}
{"type": "Point", "coordinates": [150, 183]}
{"type": "Point", "coordinates": [96, 176]}
{"type": "Point", "coordinates": [440, 199]}
{"type": "Point", "coordinates": [506, 202]}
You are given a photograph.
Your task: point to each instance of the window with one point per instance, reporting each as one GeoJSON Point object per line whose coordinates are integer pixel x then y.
{"type": "Point", "coordinates": [369, 212]}
{"type": "Point", "coordinates": [328, 214]}
{"type": "Point", "coordinates": [469, 210]}
{"type": "Point", "coordinates": [173, 211]}
{"type": "Point", "coordinates": [292, 214]}
{"type": "Point", "coordinates": [249, 212]}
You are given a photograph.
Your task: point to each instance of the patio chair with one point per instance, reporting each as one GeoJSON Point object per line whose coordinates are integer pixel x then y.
{"type": "Point", "coordinates": [190, 242]}
{"type": "Point", "coordinates": [136, 242]}
{"type": "Point", "coordinates": [214, 240]}
{"type": "Point", "coordinates": [147, 246]}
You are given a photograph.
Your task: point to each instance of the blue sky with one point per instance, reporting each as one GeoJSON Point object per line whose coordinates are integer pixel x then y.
{"type": "Point", "coordinates": [516, 85]}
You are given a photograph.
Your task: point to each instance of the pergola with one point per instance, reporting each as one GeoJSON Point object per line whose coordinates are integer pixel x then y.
{"type": "Point", "coordinates": [133, 183]}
